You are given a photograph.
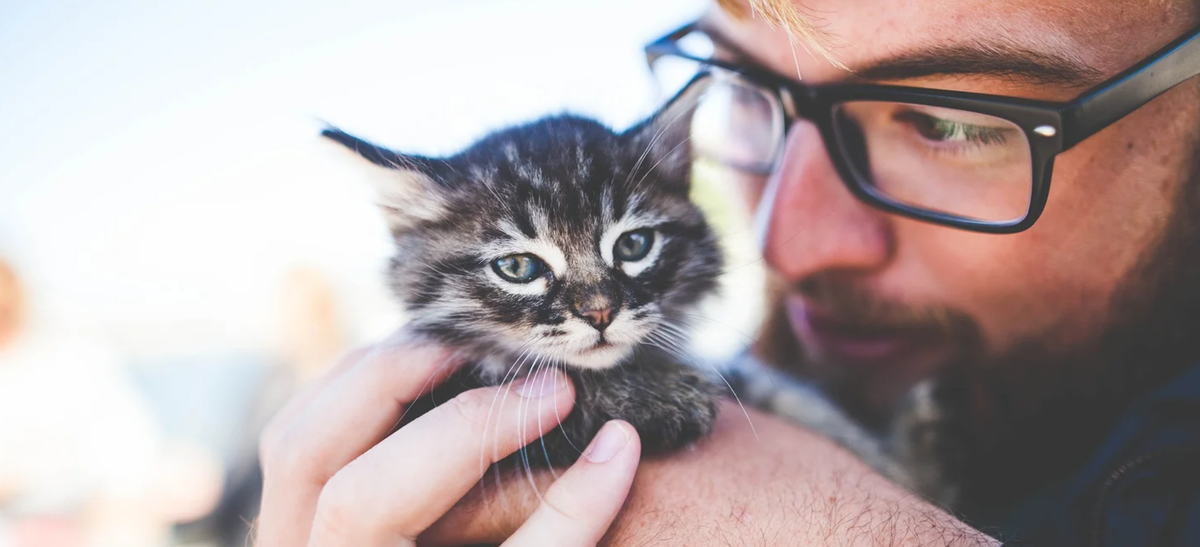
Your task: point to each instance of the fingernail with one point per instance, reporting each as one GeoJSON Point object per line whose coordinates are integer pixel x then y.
{"type": "Point", "coordinates": [610, 440]}
{"type": "Point", "coordinates": [541, 384]}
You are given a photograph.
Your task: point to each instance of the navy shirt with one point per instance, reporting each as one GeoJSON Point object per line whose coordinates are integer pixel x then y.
{"type": "Point", "coordinates": [1141, 488]}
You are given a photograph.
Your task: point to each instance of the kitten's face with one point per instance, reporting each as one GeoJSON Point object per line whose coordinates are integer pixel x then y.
{"type": "Point", "coordinates": [558, 241]}
{"type": "Point", "coordinates": [583, 289]}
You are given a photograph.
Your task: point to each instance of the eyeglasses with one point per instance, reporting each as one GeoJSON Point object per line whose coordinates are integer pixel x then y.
{"type": "Point", "coordinates": [967, 160]}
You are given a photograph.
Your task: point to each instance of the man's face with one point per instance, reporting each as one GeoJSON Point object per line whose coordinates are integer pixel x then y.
{"type": "Point", "coordinates": [879, 302]}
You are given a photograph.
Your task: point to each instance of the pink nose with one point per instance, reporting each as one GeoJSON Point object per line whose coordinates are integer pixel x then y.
{"type": "Point", "coordinates": [599, 319]}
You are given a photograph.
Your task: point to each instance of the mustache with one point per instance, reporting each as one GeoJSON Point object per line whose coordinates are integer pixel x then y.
{"type": "Point", "coordinates": [853, 306]}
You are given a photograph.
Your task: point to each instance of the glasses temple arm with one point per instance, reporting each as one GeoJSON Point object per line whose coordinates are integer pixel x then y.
{"type": "Point", "coordinates": [1128, 91]}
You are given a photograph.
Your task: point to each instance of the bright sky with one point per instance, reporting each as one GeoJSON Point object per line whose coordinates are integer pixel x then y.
{"type": "Point", "coordinates": [159, 167]}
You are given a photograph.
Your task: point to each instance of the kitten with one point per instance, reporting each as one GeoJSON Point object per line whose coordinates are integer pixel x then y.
{"type": "Point", "coordinates": [560, 243]}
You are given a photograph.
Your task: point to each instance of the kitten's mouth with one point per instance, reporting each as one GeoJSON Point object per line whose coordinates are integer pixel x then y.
{"type": "Point", "coordinates": [602, 354]}
{"type": "Point", "coordinates": [602, 345]}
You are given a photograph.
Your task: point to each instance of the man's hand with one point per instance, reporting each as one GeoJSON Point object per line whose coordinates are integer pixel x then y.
{"type": "Point", "coordinates": [334, 476]}
{"type": "Point", "coordinates": [772, 484]}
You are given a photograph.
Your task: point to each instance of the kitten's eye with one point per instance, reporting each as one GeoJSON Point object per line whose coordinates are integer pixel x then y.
{"type": "Point", "coordinates": [521, 268]}
{"type": "Point", "coordinates": [634, 246]}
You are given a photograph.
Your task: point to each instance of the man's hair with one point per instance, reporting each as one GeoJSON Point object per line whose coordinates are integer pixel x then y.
{"type": "Point", "coordinates": [784, 13]}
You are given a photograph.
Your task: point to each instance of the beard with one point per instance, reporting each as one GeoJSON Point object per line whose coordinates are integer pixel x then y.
{"type": "Point", "coordinates": [1018, 420]}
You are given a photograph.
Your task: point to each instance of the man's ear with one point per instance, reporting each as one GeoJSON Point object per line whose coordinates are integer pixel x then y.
{"type": "Point", "coordinates": [662, 142]}
{"type": "Point", "coordinates": [405, 186]}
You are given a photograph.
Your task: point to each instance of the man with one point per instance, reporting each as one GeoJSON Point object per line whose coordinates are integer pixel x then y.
{"type": "Point", "coordinates": [915, 238]}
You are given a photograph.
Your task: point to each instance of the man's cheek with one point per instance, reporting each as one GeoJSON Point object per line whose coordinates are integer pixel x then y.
{"type": "Point", "coordinates": [992, 279]}
{"type": "Point", "coordinates": [1021, 286]}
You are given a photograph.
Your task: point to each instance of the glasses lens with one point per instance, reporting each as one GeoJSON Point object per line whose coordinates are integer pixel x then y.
{"type": "Point", "coordinates": [737, 123]}
{"type": "Point", "coordinates": [954, 162]}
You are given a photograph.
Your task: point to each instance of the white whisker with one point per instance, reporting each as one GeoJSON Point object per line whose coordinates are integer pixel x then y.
{"type": "Point", "coordinates": [522, 414]}
{"type": "Point", "coordinates": [680, 351]}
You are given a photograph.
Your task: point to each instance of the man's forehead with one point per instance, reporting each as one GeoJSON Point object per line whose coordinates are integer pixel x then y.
{"type": "Point", "coordinates": [1071, 43]}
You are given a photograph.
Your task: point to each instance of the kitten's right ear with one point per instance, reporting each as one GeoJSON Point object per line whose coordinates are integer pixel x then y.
{"type": "Point", "coordinates": [404, 185]}
{"type": "Point", "coordinates": [663, 140]}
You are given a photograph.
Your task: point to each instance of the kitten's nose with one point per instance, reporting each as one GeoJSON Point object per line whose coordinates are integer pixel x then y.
{"type": "Point", "coordinates": [598, 318]}
{"type": "Point", "coordinates": [597, 310]}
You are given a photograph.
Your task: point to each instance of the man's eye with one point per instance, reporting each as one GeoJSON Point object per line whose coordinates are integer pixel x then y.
{"type": "Point", "coordinates": [943, 130]}
{"type": "Point", "coordinates": [634, 246]}
{"type": "Point", "coordinates": [521, 268]}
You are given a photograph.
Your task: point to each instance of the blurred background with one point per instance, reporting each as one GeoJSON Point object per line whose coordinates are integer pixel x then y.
{"type": "Point", "coordinates": [177, 251]}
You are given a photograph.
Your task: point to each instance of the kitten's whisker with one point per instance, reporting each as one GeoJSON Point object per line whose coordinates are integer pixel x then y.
{"type": "Point", "coordinates": [502, 393]}
{"type": "Point", "coordinates": [681, 352]}
{"type": "Point", "coordinates": [745, 347]}
{"type": "Point", "coordinates": [659, 133]}
{"type": "Point", "coordinates": [428, 382]}
{"type": "Point", "coordinates": [649, 146]}
{"type": "Point", "coordinates": [663, 158]}
{"type": "Point", "coordinates": [522, 413]}
{"type": "Point", "coordinates": [512, 369]}
{"type": "Point", "coordinates": [560, 418]}
{"type": "Point", "coordinates": [520, 410]}
{"type": "Point", "coordinates": [542, 438]}
{"type": "Point", "coordinates": [749, 339]}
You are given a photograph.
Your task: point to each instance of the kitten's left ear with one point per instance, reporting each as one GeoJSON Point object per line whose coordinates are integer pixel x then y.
{"type": "Point", "coordinates": [662, 142]}
{"type": "Point", "coordinates": [406, 186]}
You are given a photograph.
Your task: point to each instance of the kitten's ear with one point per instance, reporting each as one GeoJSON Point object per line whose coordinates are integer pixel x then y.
{"type": "Point", "coordinates": [405, 186]}
{"type": "Point", "coordinates": [662, 142]}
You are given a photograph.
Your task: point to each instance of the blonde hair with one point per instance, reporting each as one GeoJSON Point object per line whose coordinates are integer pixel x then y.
{"type": "Point", "coordinates": [785, 14]}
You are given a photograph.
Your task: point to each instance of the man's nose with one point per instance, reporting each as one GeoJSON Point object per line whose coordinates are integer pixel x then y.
{"type": "Point", "coordinates": [816, 224]}
{"type": "Point", "coordinates": [596, 308]}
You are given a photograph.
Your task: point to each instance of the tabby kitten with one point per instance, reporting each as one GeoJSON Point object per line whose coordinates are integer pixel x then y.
{"type": "Point", "coordinates": [559, 243]}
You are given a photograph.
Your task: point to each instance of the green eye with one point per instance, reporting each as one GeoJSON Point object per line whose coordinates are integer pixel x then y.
{"type": "Point", "coordinates": [521, 268]}
{"type": "Point", "coordinates": [634, 246]}
{"type": "Point", "coordinates": [946, 130]}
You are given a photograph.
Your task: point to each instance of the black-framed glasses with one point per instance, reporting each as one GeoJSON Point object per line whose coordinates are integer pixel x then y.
{"type": "Point", "coordinates": [968, 160]}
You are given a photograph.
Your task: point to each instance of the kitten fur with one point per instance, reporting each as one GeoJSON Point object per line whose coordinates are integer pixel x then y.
{"type": "Point", "coordinates": [566, 190]}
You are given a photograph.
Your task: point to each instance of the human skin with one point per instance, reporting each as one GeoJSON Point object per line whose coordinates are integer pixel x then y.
{"type": "Point", "coordinates": [1110, 201]}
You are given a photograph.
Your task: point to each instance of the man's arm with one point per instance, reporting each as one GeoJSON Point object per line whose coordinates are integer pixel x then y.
{"type": "Point", "coordinates": [770, 484]}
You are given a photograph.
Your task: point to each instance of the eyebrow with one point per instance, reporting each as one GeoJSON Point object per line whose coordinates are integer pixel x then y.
{"type": "Point", "coordinates": [997, 60]}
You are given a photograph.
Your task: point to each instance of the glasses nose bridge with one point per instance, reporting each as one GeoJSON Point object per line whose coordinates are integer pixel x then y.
{"type": "Point", "coordinates": [798, 101]}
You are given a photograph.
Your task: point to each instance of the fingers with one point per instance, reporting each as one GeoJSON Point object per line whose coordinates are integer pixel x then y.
{"type": "Point", "coordinates": [578, 509]}
{"type": "Point", "coordinates": [394, 347]}
{"type": "Point", "coordinates": [351, 411]}
{"type": "Point", "coordinates": [493, 513]}
{"type": "Point", "coordinates": [401, 486]}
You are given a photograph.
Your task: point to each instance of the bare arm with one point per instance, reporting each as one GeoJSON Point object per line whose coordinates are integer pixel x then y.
{"type": "Point", "coordinates": [784, 487]}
